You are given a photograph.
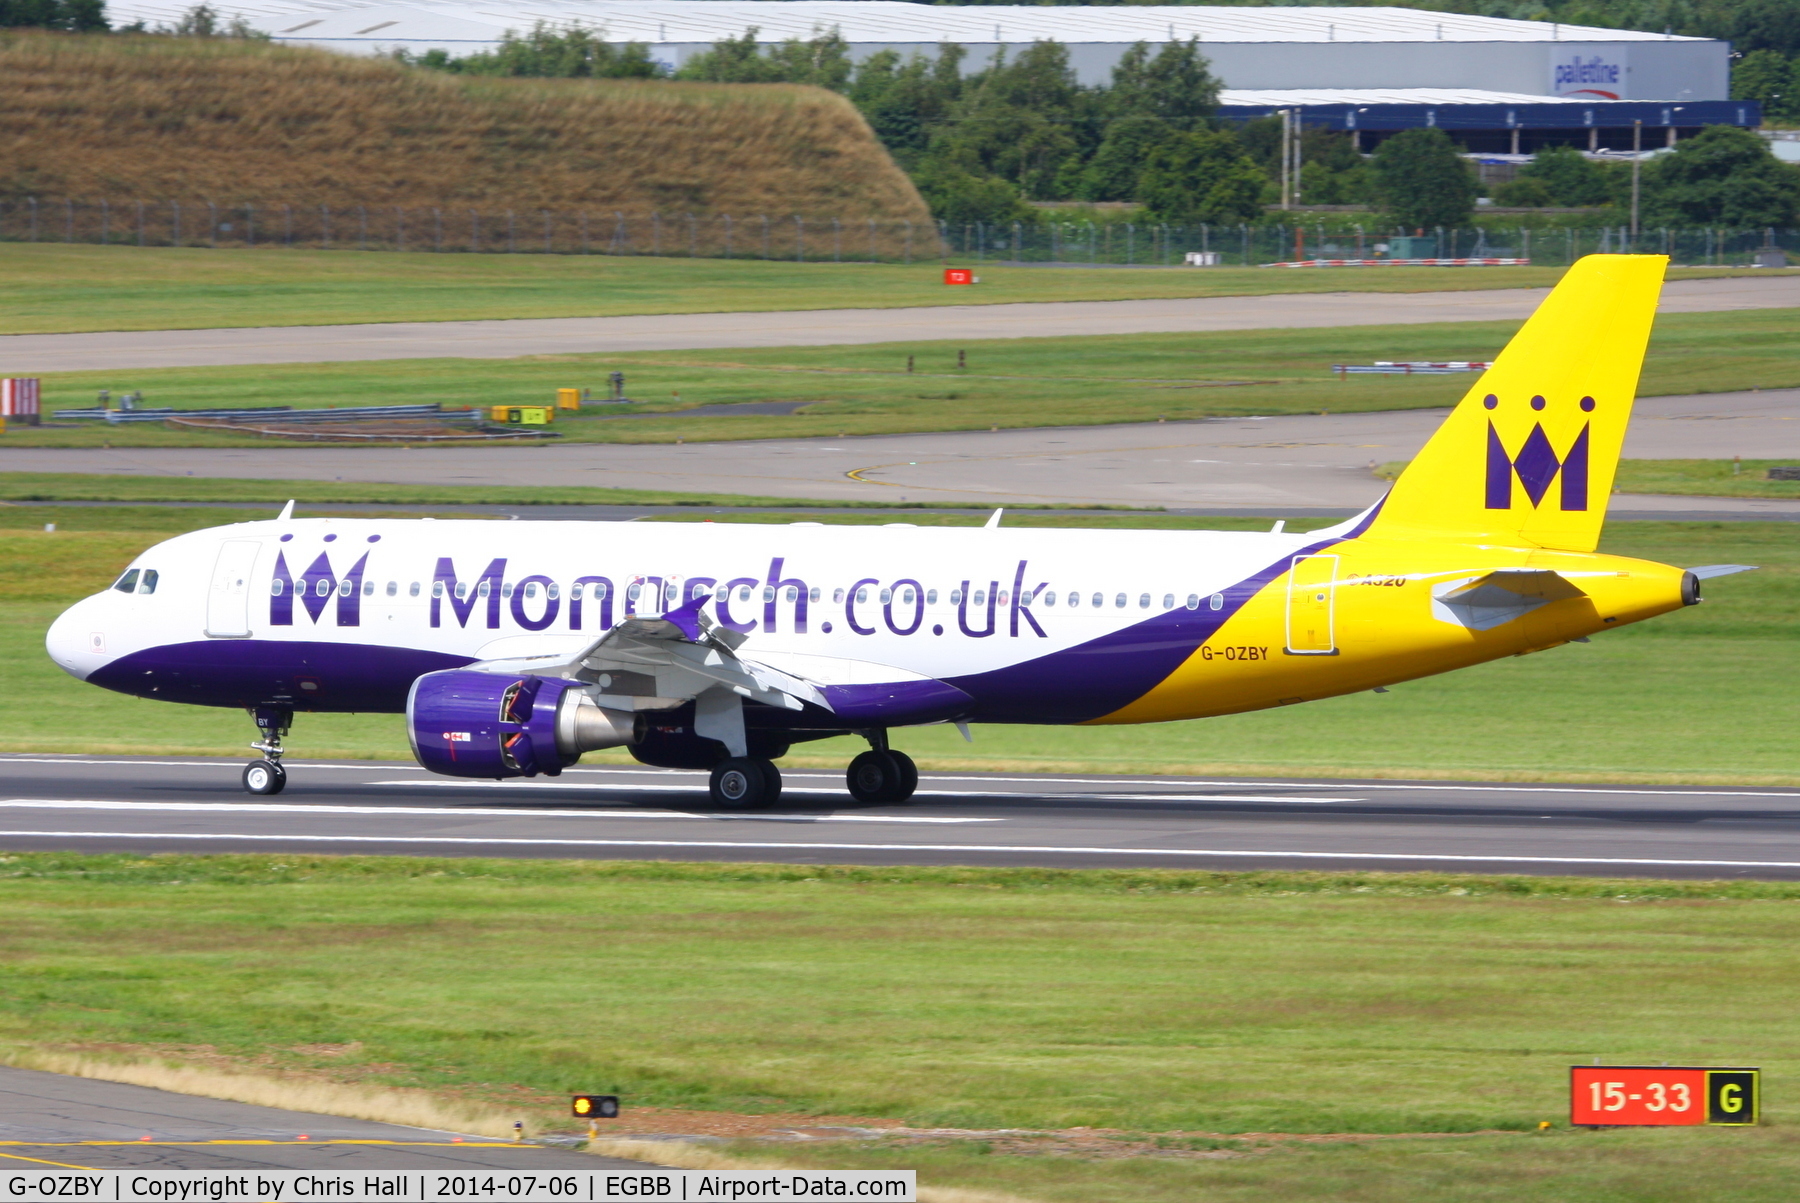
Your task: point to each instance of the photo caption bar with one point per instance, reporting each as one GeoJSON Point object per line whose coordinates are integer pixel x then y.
{"type": "Point", "coordinates": [299, 1186]}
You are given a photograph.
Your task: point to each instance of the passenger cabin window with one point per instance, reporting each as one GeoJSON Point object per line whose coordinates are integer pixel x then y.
{"type": "Point", "coordinates": [147, 582]}
{"type": "Point", "coordinates": [128, 582]}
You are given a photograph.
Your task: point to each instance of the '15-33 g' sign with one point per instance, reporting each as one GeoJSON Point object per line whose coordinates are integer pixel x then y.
{"type": "Point", "coordinates": [1643, 1095]}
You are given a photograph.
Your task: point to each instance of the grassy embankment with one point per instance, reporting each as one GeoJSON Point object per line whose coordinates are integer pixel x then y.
{"type": "Point", "coordinates": [867, 390]}
{"type": "Point", "coordinates": [1699, 695]}
{"type": "Point", "coordinates": [1187, 1015]}
{"type": "Point", "coordinates": [56, 288]}
{"type": "Point", "coordinates": [156, 119]}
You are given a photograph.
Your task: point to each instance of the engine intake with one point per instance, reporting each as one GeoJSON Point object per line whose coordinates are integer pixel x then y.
{"type": "Point", "coordinates": [464, 723]}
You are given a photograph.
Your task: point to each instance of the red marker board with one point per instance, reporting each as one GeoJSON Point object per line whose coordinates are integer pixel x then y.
{"type": "Point", "coordinates": [1662, 1096]}
{"type": "Point", "coordinates": [959, 275]}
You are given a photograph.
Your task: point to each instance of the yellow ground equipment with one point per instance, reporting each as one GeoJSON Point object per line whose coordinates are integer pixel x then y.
{"type": "Point", "coordinates": [524, 415]}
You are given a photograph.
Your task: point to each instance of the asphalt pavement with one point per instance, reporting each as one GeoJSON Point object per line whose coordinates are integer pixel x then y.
{"type": "Point", "coordinates": [1278, 466]}
{"type": "Point", "coordinates": [52, 1120]}
{"type": "Point", "coordinates": [32, 354]}
{"type": "Point", "coordinates": [150, 804]}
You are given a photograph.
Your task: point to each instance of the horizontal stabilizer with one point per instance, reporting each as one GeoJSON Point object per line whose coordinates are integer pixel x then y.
{"type": "Point", "coordinates": [1489, 601]}
{"type": "Point", "coordinates": [1707, 571]}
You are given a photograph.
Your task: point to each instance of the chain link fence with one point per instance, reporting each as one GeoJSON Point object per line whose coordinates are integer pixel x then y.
{"type": "Point", "coordinates": [804, 239]}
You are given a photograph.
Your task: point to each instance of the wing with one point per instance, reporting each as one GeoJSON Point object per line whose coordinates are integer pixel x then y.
{"type": "Point", "coordinates": [660, 663]}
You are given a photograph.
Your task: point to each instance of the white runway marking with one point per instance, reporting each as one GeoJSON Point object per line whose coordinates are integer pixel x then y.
{"type": "Point", "coordinates": [1139, 782]}
{"type": "Point", "coordinates": [740, 845]}
{"type": "Point", "coordinates": [629, 787]}
{"type": "Point", "coordinates": [300, 808]}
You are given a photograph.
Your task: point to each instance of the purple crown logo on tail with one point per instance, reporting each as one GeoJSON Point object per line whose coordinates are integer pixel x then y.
{"type": "Point", "coordinates": [1537, 465]}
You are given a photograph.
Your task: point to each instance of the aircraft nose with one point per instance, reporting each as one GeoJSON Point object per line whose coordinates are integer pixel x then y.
{"type": "Point", "coordinates": [77, 639]}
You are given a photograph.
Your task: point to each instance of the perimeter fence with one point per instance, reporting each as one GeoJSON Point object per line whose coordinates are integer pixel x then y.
{"type": "Point", "coordinates": [800, 238]}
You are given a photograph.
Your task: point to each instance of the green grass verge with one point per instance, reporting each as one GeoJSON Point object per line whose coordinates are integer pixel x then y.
{"type": "Point", "coordinates": [58, 288]}
{"type": "Point", "coordinates": [1700, 696]}
{"type": "Point", "coordinates": [1202, 1007]}
{"type": "Point", "coordinates": [867, 389]}
{"type": "Point", "coordinates": [1681, 1166]}
{"type": "Point", "coordinates": [75, 486]}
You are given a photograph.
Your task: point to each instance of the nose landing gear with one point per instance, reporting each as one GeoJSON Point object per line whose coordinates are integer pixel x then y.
{"type": "Point", "coordinates": [267, 776]}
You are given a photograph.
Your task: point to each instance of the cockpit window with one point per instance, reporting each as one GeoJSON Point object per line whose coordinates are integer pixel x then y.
{"type": "Point", "coordinates": [128, 582]}
{"type": "Point", "coordinates": [147, 582]}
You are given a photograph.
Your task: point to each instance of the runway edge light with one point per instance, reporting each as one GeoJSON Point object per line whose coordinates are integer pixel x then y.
{"type": "Point", "coordinates": [590, 1106]}
{"type": "Point", "coordinates": [1629, 1096]}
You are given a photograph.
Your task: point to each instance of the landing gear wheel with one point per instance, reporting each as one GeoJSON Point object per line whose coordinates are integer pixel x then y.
{"type": "Point", "coordinates": [876, 777]}
{"type": "Point", "coordinates": [771, 782]}
{"type": "Point", "coordinates": [265, 777]}
{"type": "Point", "coordinates": [909, 776]}
{"type": "Point", "coordinates": [742, 783]}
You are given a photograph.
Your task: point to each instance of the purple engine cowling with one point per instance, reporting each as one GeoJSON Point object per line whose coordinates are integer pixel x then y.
{"type": "Point", "coordinates": [475, 724]}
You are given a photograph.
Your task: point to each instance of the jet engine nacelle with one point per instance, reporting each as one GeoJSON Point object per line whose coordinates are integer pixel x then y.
{"type": "Point", "coordinates": [464, 723]}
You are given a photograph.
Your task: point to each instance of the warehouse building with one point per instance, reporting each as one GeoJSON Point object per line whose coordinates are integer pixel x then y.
{"type": "Point", "coordinates": [1494, 84]}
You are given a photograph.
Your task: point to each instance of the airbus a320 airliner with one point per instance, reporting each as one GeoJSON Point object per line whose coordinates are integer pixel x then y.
{"type": "Point", "coordinates": [513, 648]}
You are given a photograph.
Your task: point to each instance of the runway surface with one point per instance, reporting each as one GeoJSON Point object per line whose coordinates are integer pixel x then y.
{"type": "Point", "coordinates": [1225, 465]}
{"type": "Point", "coordinates": [51, 1120]}
{"type": "Point", "coordinates": [30, 354]}
{"type": "Point", "coordinates": [145, 804]}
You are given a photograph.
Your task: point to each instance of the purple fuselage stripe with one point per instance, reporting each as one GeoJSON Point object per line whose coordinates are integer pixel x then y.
{"type": "Point", "coordinates": [342, 677]}
{"type": "Point", "coordinates": [1106, 674]}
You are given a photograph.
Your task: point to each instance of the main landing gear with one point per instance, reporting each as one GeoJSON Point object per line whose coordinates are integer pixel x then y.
{"type": "Point", "coordinates": [882, 774]}
{"type": "Point", "coordinates": [879, 775]}
{"type": "Point", "coordinates": [746, 782]}
{"type": "Point", "coordinates": [267, 776]}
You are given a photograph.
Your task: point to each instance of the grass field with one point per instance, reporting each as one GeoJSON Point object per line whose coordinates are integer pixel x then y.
{"type": "Point", "coordinates": [1193, 1013]}
{"type": "Point", "coordinates": [1702, 695]}
{"type": "Point", "coordinates": [867, 389]}
{"type": "Point", "coordinates": [64, 288]}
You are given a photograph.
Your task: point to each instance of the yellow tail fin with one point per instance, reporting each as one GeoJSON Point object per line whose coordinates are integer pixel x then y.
{"type": "Point", "coordinates": [1529, 454]}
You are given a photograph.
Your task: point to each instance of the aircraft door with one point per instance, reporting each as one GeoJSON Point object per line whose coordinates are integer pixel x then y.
{"type": "Point", "coordinates": [228, 599]}
{"type": "Point", "coordinates": [1312, 605]}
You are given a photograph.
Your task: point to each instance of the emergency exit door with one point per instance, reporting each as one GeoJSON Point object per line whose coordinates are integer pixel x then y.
{"type": "Point", "coordinates": [228, 599]}
{"type": "Point", "coordinates": [1312, 604]}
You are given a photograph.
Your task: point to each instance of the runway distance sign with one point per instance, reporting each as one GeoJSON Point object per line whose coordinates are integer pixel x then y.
{"type": "Point", "coordinates": [1662, 1096]}
{"type": "Point", "coordinates": [638, 1184]}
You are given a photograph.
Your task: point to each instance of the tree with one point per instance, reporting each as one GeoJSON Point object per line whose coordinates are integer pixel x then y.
{"type": "Point", "coordinates": [73, 16]}
{"type": "Point", "coordinates": [961, 195]}
{"type": "Point", "coordinates": [1019, 120]}
{"type": "Point", "coordinates": [1771, 78]}
{"type": "Point", "coordinates": [1722, 176]}
{"type": "Point", "coordinates": [1524, 192]}
{"type": "Point", "coordinates": [204, 21]}
{"type": "Point", "coordinates": [573, 53]}
{"type": "Point", "coordinates": [1421, 181]}
{"type": "Point", "coordinates": [1112, 173]}
{"type": "Point", "coordinates": [1569, 177]}
{"type": "Point", "coordinates": [1175, 86]}
{"type": "Point", "coordinates": [1201, 176]}
{"type": "Point", "coordinates": [822, 60]}
{"type": "Point", "coordinates": [905, 101]}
